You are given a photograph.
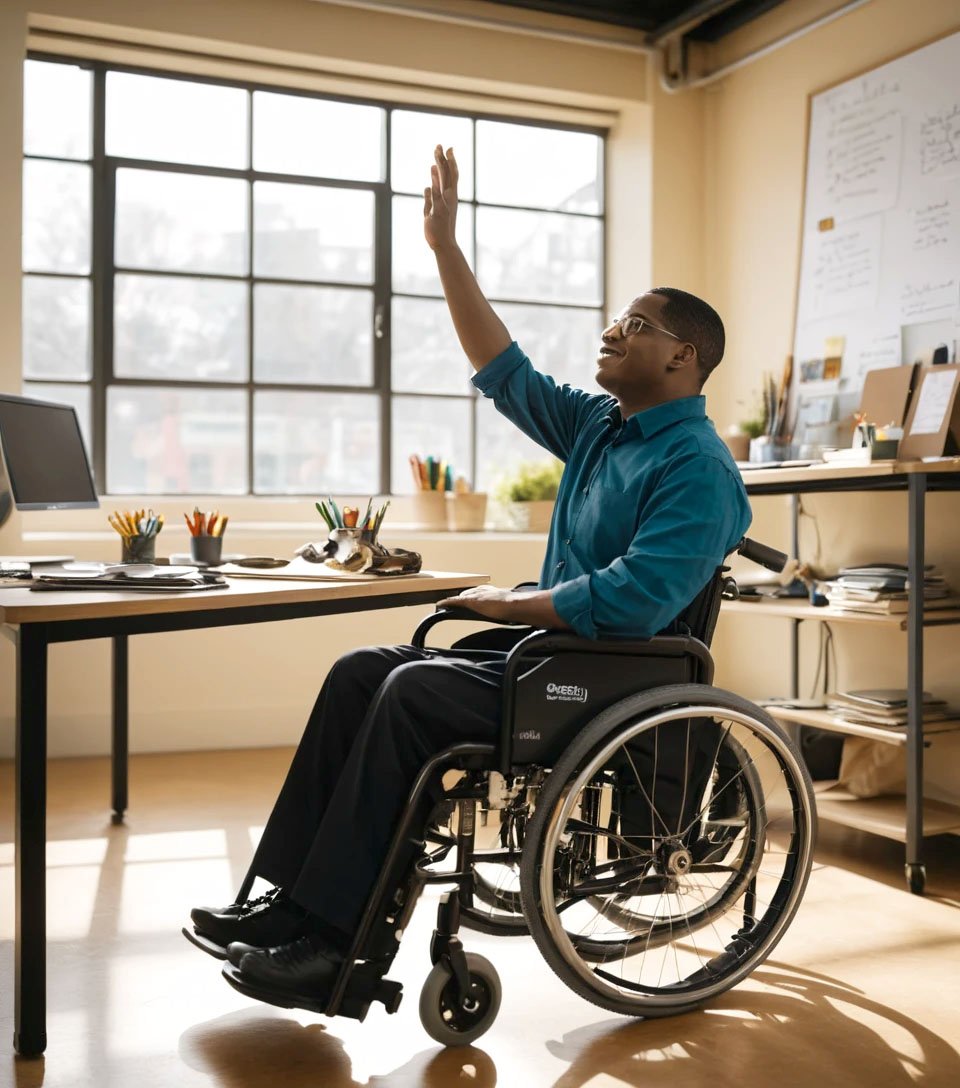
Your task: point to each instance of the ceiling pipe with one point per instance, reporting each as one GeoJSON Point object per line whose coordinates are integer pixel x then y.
{"type": "Point", "coordinates": [486, 22]}
{"type": "Point", "coordinates": [674, 81]}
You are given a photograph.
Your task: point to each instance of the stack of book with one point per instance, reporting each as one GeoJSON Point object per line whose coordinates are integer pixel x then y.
{"type": "Point", "coordinates": [883, 588]}
{"type": "Point", "coordinates": [883, 707]}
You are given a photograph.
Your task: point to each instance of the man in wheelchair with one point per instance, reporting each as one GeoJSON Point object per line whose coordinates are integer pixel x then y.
{"type": "Point", "coordinates": [649, 505]}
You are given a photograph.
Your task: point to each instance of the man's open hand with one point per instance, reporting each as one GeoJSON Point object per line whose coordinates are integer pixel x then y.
{"type": "Point", "coordinates": [509, 606]}
{"type": "Point", "coordinates": [440, 200]}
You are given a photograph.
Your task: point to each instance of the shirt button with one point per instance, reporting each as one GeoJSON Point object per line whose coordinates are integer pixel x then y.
{"type": "Point", "coordinates": [567, 542]}
{"type": "Point", "coordinates": [560, 565]}
{"type": "Point", "coordinates": [585, 490]}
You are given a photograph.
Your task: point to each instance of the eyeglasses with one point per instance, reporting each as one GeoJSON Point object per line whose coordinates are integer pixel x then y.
{"type": "Point", "coordinates": [631, 325]}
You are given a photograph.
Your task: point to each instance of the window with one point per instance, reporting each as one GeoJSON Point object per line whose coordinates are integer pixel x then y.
{"type": "Point", "coordinates": [231, 285]}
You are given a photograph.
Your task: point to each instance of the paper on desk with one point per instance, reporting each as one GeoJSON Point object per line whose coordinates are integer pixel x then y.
{"type": "Point", "coordinates": [303, 570]}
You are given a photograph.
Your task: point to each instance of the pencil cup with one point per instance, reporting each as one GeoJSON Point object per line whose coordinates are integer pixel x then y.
{"type": "Point", "coordinates": [466, 512]}
{"type": "Point", "coordinates": [139, 549]}
{"type": "Point", "coordinates": [429, 509]}
{"type": "Point", "coordinates": [206, 549]}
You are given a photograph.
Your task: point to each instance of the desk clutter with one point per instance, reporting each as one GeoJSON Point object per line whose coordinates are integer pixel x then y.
{"type": "Point", "coordinates": [352, 545]}
{"type": "Point", "coordinates": [140, 577]}
{"type": "Point", "coordinates": [883, 588]}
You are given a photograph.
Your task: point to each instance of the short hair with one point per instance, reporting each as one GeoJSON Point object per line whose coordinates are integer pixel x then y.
{"type": "Point", "coordinates": [695, 321]}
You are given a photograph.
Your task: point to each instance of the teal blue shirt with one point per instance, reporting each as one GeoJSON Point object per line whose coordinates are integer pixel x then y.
{"type": "Point", "coordinates": [648, 507]}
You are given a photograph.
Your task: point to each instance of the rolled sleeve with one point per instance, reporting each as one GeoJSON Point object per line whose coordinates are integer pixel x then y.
{"type": "Point", "coordinates": [573, 602]}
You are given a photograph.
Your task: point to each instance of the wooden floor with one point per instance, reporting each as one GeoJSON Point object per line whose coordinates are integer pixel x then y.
{"type": "Point", "coordinates": [864, 990]}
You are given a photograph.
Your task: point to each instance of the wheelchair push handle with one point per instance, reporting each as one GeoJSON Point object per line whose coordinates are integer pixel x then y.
{"type": "Point", "coordinates": [762, 554]}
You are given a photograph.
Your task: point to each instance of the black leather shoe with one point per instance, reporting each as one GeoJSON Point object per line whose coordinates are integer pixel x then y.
{"type": "Point", "coordinates": [308, 966]}
{"type": "Point", "coordinates": [267, 922]}
{"type": "Point", "coordinates": [237, 950]}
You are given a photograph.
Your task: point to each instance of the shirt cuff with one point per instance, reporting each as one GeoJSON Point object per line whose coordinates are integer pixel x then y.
{"type": "Point", "coordinates": [499, 369]}
{"type": "Point", "coordinates": [572, 601]}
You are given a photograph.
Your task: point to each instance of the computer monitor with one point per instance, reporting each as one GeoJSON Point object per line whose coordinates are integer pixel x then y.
{"type": "Point", "coordinates": [46, 461]}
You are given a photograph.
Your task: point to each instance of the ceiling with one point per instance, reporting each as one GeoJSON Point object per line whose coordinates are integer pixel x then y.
{"type": "Point", "coordinates": [697, 20]}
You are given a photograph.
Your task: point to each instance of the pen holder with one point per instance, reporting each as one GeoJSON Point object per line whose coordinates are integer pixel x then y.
{"type": "Point", "coordinates": [429, 509]}
{"type": "Point", "coordinates": [466, 512]}
{"type": "Point", "coordinates": [139, 549]}
{"type": "Point", "coordinates": [205, 550]}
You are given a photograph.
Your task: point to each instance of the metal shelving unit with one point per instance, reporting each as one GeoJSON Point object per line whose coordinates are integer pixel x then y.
{"type": "Point", "coordinates": [910, 819]}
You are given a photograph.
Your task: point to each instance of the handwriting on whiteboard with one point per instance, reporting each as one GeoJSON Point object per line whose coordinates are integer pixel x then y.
{"type": "Point", "coordinates": [940, 141]}
{"type": "Point", "coordinates": [933, 226]}
{"type": "Point", "coordinates": [845, 269]}
{"type": "Point", "coordinates": [929, 298]}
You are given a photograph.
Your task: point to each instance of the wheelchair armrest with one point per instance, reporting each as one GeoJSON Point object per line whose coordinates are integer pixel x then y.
{"type": "Point", "coordinates": [441, 614]}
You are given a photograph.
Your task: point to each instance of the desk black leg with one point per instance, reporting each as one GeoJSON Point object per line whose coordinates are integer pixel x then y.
{"type": "Point", "coordinates": [30, 954]}
{"type": "Point", "coordinates": [915, 870]}
{"type": "Point", "coordinates": [120, 725]}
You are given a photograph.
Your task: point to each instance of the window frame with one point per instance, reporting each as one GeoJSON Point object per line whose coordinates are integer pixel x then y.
{"type": "Point", "coordinates": [104, 270]}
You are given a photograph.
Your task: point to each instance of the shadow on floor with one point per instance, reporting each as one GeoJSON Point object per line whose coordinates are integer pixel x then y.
{"type": "Point", "coordinates": [803, 1030]}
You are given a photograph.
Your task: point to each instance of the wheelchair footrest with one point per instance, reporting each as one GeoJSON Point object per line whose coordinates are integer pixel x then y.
{"type": "Point", "coordinates": [205, 944]}
{"type": "Point", "coordinates": [364, 987]}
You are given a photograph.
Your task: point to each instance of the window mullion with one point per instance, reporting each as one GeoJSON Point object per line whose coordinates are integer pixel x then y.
{"type": "Point", "coordinates": [104, 193]}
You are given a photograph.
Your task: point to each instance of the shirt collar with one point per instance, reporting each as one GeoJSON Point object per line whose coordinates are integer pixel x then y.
{"type": "Point", "coordinates": [653, 420]}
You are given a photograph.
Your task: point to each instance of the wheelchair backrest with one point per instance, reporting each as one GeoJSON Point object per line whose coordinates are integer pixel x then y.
{"type": "Point", "coordinates": [561, 690]}
{"type": "Point", "coordinates": [699, 618]}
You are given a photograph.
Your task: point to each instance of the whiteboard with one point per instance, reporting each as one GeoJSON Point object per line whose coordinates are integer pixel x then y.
{"type": "Point", "coordinates": [880, 259]}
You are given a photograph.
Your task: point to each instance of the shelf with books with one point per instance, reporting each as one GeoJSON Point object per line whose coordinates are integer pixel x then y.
{"type": "Point", "coordinates": [800, 610]}
{"type": "Point", "coordinates": [823, 719]}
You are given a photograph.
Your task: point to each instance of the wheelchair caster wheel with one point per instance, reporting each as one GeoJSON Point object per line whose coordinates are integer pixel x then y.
{"type": "Point", "coordinates": [455, 1019]}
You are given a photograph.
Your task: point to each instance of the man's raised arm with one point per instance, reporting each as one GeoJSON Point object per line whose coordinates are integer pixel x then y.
{"type": "Point", "coordinates": [482, 334]}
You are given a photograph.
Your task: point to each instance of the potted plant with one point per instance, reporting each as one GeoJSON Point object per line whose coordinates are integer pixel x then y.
{"type": "Point", "coordinates": [529, 492]}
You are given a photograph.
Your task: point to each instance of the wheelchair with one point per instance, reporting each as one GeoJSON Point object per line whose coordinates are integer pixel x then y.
{"type": "Point", "coordinates": [652, 833]}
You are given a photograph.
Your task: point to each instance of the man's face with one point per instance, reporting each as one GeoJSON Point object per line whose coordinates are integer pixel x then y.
{"type": "Point", "coordinates": [637, 362]}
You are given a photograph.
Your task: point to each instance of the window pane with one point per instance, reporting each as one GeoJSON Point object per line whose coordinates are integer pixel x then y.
{"type": "Point", "coordinates": [426, 356]}
{"type": "Point", "coordinates": [414, 265]}
{"type": "Point", "coordinates": [540, 256]}
{"type": "Point", "coordinates": [561, 342]}
{"type": "Point", "coordinates": [312, 233]}
{"type": "Point", "coordinates": [413, 136]}
{"type": "Point", "coordinates": [57, 108]}
{"type": "Point", "coordinates": [176, 441]}
{"type": "Point", "coordinates": [316, 444]}
{"type": "Point", "coordinates": [438, 427]}
{"type": "Point", "coordinates": [174, 120]}
{"type": "Point", "coordinates": [56, 217]}
{"type": "Point", "coordinates": [501, 446]}
{"type": "Point", "coordinates": [316, 137]}
{"type": "Point", "coordinates": [78, 396]}
{"type": "Point", "coordinates": [181, 222]}
{"type": "Point", "coordinates": [312, 334]}
{"type": "Point", "coordinates": [173, 327]}
{"type": "Point", "coordinates": [56, 327]}
{"type": "Point", "coordinates": [562, 169]}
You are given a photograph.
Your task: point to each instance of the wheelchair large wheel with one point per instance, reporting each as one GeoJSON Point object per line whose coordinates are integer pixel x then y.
{"type": "Point", "coordinates": [669, 851]}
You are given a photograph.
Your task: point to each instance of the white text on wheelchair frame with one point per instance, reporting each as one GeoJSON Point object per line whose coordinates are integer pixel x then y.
{"type": "Point", "coordinates": [566, 693]}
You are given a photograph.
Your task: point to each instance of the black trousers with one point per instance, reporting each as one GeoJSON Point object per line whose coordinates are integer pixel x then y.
{"type": "Point", "coordinates": [380, 715]}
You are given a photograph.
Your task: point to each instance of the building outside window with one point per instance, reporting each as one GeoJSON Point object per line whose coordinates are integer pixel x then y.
{"type": "Point", "coordinates": [230, 282]}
